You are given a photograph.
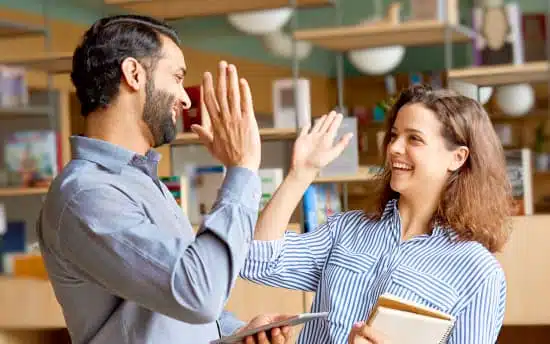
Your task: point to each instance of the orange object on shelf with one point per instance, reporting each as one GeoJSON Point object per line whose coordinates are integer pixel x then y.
{"type": "Point", "coordinates": [29, 265]}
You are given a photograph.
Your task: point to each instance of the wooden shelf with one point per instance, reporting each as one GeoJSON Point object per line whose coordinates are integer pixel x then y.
{"type": "Point", "coordinates": [28, 304]}
{"type": "Point", "coordinates": [174, 9]}
{"type": "Point", "coordinates": [10, 192]}
{"type": "Point", "coordinates": [9, 29]}
{"type": "Point", "coordinates": [502, 74]}
{"type": "Point", "coordinates": [267, 134]}
{"type": "Point", "coordinates": [24, 111]}
{"type": "Point", "coordinates": [364, 174]}
{"type": "Point", "coordinates": [57, 63]}
{"type": "Point", "coordinates": [409, 33]}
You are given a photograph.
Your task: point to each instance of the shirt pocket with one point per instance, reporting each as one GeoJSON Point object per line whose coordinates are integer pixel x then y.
{"type": "Point", "coordinates": [346, 279]}
{"type": "Point", "coordinates": [423, 288]}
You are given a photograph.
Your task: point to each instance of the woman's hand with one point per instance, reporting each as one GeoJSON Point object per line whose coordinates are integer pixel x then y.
{"type": "Point", "coordinates": [315, 149]}
{"type": "Point", "coordinates": [361, 333]}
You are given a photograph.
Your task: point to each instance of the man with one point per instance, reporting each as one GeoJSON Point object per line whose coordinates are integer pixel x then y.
{"type": "Point", "coordinates": [124, 262]}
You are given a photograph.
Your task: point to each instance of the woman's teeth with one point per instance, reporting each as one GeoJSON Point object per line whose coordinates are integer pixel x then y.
{"type": "Point", "coordinates": [401, 166]}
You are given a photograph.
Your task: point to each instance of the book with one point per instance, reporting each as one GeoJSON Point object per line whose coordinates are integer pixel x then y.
{"type": "Point", "coordinates": [518, 168]}
{"type": "Point", "coordinates": [271, 179]}
{"type": "Point", "coordinates": [403, 321]}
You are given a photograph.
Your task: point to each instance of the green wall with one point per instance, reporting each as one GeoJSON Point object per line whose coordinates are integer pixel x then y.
{"type": "Point", "coordinates": [215, 34]}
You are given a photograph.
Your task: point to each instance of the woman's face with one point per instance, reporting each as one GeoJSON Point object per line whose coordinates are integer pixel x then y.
{"type": "Point", "coordinates": [419, 159]}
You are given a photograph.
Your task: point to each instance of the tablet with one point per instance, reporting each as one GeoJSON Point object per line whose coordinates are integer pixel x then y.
{"type": "Point", "coordinates": [293, 321]}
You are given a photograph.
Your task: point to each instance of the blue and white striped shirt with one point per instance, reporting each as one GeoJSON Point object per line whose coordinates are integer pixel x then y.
{"type": "Point", "coordinates": [350, 261]}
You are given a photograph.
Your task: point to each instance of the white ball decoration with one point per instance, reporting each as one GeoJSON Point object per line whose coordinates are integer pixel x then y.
{"type": "Point", "coordinates": [515, 100]}
{"type": "Point", "coordinates": [260, 22]}
{"type": "Point", "coordinates": [376, 61]}
{"type": "Point", "coordinates": [379, 60]}
{"type": "Point", "coordinates": [280, 44]}
{"type": "Point", "coordinates": [471, 91]}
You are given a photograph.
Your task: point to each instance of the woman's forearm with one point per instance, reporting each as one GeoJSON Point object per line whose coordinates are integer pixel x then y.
{"type": "Point", "coordinates": [274, 218]}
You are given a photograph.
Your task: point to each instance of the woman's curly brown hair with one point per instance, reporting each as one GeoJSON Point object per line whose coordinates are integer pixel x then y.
{"type": "Point", "coordinates": [478, 200]}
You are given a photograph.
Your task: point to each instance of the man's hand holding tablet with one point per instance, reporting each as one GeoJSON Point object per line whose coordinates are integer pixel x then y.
{"type": "Point", "coordinates": [269, 329]}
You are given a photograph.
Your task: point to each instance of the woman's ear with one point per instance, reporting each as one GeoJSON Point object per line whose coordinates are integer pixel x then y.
{"type": "Point", "coordinates": [459, 158]}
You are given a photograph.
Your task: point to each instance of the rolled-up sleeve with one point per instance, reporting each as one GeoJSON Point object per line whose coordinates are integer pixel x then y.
{"type": "Point", "coordinates": [294, 262]}
{"type": "Point", "coordinates": [110, 239]}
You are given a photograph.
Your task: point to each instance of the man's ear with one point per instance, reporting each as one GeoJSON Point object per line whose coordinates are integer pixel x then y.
{"type": "Point", "coordinates": [460, 155]}
{"type": "Point", "coordinates": [133, 74]}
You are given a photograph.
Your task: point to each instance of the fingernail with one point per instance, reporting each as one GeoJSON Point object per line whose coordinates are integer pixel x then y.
{"type": "Point", "coordinates": [358, 324]}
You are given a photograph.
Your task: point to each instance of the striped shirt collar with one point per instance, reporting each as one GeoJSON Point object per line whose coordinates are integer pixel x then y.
{"type": "Point", "coordinates": [391, 213]}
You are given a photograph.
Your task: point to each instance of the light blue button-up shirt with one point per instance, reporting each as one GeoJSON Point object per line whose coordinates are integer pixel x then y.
{"type": "Point", "coordinates": [123, 259]}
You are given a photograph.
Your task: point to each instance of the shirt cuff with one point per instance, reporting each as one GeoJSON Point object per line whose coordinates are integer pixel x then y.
{"type": "Point", "coordinates": [229, 324]}
{"type": "Point", "coordinates": [242, 185]}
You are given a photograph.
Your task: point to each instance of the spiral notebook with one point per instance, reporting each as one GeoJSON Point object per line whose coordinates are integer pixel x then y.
{"type": "Point", "coordinates": [403, 321]}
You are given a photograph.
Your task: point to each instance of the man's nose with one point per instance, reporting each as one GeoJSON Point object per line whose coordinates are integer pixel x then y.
{"type": "Point", "coordinates": [186, 101]}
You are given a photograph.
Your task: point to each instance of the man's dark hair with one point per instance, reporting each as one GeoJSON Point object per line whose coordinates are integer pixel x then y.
{"type": "Point", "coordinates": [97, 60]}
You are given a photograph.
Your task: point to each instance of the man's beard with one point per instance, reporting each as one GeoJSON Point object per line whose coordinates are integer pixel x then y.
{"type": "Point", "coordinates": [157, 114]}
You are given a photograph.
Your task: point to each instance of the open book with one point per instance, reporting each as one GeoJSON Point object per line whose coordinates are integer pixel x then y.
{"type": "Point", "coordinates": [403, 321]}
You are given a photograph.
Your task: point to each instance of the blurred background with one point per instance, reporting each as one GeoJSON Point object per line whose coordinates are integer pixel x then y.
{"type": "Point", "coordinates": [302, 59]}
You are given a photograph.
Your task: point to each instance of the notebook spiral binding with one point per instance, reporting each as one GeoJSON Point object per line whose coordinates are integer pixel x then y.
{"type": "Point", "coordinates": [447, 334]}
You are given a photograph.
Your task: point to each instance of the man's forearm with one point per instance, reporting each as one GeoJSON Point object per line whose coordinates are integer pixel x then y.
{"type": "Point", "coordinates": [274, 218]}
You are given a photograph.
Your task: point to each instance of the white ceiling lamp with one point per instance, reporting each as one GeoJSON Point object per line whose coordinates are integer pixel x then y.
{"type": "Point", "coordinates": [280, 44]}
{"type": "Point", "coordinates": [471, 91]}
{"type": "Point", "coordinates": [260, 22]}
{"type": "Point", "coordinates": [379, 60]}
{"type": "Point", "coordinates": [515, 100]}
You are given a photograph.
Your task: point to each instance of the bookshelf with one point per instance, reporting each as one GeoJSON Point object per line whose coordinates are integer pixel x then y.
{"type": "Point", "coordinates": [29, 191]}
{"type": "Point", "coordinates": [50, 62]}
{"type": "Point", "coordinates": [502, 74]}
{"type": "Point", "coordinates": [266, 134]}
{"type": "Point", "coordinates": [364, 174]}
{"type": "Point", "coordinates": [409, 33]}
{"type": "Point", "coordinates": [9, 29]}
{"type": "Point", "coordinates": [24, 111]}
{"type": "Point", "coordinates": [174, 9]}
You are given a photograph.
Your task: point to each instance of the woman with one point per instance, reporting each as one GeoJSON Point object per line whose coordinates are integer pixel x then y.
{"type": "Point", "coordinates": [428, 236]}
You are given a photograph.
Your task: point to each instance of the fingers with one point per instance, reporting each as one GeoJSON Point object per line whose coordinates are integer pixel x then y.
{"type": "Point", "coordinates": [335, 124]}
{"type": "Point", "coordinates": [204, 134]}
{"type": "Point", "coordinates": [262, 338]}
{"type": "Point", "coordinates": [246, 98]}
{"type": "Point", "coordinates": [372, 336]}
{"type": "Point", "coordinates": [234, 92]}
{"type": "Point", "coordinates": [304, 130]}
{"type": "Point", "coordinates": [210, 99]}
{"type": "Point", "coordinates": [327, 122]}
{"type": "Point", "coordinates": [277, 336]}
{"type": "Point", "coordinates": [318, 124]}
{"type": "Point", "coordinates": [221, 89]}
